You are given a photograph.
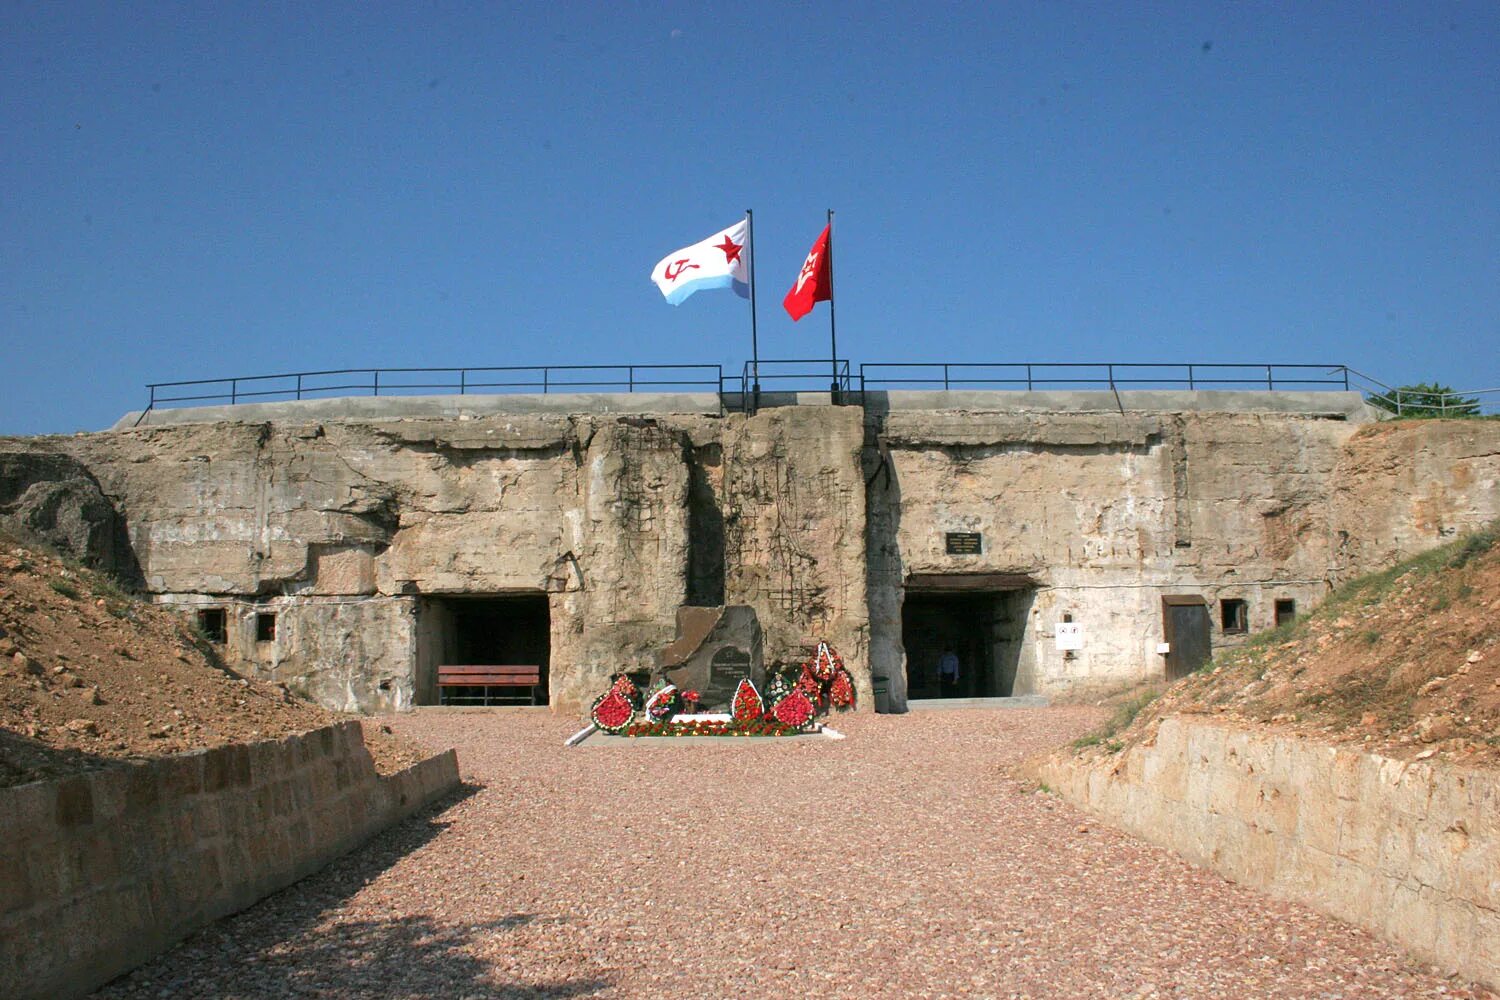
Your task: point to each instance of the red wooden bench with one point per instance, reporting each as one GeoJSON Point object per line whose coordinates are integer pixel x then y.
{"type": "Point", "coordinates": [488, 676]}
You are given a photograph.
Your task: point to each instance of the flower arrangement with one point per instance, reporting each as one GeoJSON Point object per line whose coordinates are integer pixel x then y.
{"type": "Point", "coordinates": [747, 704]}
{"type": "Point", "coordinates": [795, 710]}
{"type": "Point", "coordinates": [777, 688]}
{"type": "Point", "coordinates": [809, 685]}
{"type": "Point", "coordinates": [712, 727]}
{"type": "Point", "coordinates": [825, 663]}
{"type": "Point", "coordinates": [612, 711]}
{"type": "Point", "coordinates": [662, 703]}
{"type": "Point", "coordinates": [690, 701]}
{"type": "Point", "coordinates": [841, 691]}
{"type": "Point", "coordinates": [624, 685]}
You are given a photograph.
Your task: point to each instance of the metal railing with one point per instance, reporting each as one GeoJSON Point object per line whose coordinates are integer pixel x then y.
{"type": "Point", "coordinates": [440, 381]}
{"type": "Point", "coordinates": [1427, 402]}
{"type": "Point", "coordinates": [1078, 375]}
{"type": "Point", "coordinates": [793, 375]}
{"type": "Point", "coordinates": [813, 375]}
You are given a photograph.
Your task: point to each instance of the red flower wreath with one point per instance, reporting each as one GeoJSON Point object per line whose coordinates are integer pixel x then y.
{"type": "Point", "coordinates": [825, 663]}
{"type": "Point", "coordinates": [612, 711]}
{"type": "Point", "coordinates": [748, 705]}
{"type": "Point", "coordinates": [841, 691]}
{"type": "Point", "coordinates": [795, 710]}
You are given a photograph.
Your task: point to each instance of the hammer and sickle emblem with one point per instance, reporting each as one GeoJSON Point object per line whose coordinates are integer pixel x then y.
{"type": "Point", "coordinates": [809, 267]}
{"type": "Point", "coordinates": [674, 270]}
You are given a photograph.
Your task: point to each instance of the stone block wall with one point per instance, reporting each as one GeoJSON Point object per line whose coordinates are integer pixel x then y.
{"type": "Point", "coordinates": [101, 871]}
{"type": "Point", "coordinates": [1408, 851]}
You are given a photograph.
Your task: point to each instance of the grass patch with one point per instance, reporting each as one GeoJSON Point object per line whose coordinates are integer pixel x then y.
{"type": "Point", "coordinates": [66, 589]}
{"type": "Point", "coordinates": [1124, 715]}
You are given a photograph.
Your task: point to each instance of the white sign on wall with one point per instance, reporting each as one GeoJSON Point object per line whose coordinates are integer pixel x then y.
{"type": "Point", "coordinates": [1069, 636]}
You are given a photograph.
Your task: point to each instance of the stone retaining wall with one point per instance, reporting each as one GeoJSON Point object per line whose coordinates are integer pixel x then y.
{"type": "Point", "coordinates": [101, 871]}
{"type": "Point", "coordinates": [1408, 851]}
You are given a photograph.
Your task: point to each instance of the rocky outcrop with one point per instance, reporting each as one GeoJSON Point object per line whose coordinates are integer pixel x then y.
{"type": "Point", "coordinates": [55, 498]}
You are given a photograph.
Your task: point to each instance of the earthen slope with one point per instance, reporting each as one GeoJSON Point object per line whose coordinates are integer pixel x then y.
{"type": "Point", "coordinates": [90, 675]}
{"type": "Point", "coordinates": [1405, 663]}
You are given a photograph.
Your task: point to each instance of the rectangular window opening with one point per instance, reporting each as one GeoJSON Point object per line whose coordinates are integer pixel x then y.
{"type": "Point", "coordinates": [213, 623]}
{"type": "Point", "coordinates": [265, 626]}
{"type": "Point", "coordinates": [1286, 610]}
{"type": "Point", "coordinates": [1234, 614]}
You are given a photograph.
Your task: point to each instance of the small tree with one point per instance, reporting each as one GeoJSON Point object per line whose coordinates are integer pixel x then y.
{"type": "Point", "coordinates": [1426, 399]}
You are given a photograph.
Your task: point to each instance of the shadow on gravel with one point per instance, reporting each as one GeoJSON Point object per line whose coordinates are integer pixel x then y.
{"type": "Point", "coordinates": [295, 943]}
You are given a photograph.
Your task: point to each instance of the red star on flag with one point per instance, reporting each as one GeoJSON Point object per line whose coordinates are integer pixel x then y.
{"type": "Point", "coordinates": [731, 249]}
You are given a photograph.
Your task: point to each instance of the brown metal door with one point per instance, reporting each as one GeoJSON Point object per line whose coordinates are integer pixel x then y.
{"type": "Point", "coordinates": [1186, 624]}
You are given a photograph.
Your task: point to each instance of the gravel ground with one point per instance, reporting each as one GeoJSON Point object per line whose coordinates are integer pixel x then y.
{"type": "Point", "coordinates": [901, 862]}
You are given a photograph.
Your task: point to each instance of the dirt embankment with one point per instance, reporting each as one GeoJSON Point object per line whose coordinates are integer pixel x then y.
{"type": "Point", "coordinates": [90, 675]}
{"type": "Point", "coordinates": [1405, 662]}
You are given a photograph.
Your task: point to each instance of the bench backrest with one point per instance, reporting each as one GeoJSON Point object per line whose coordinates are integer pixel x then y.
{"type": "Point", "coordinates": [492, 675]}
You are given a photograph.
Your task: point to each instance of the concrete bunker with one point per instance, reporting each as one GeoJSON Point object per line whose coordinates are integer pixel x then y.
{"type": "Point", "coordinates": [983, 618]}
{"type": "Point", "coordinates": [506, 629]}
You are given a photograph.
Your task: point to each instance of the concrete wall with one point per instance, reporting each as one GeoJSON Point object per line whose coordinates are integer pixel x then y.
{"type": "Point", "coordinates": [815, 515]}
{"type": "Point", "coordinates": [1408, 851]}
{"type": "Point", "coordinates": [1107, 513]}
{"type": "Point", "coordinates": [101, 871]}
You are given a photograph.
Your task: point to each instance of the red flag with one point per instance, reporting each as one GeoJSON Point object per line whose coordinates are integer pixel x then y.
{"type": "Point", "coordinates": [814, 283]}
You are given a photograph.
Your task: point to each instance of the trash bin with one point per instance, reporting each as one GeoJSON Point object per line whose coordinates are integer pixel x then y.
{"type": "Point", "coordinates": [882, 688]}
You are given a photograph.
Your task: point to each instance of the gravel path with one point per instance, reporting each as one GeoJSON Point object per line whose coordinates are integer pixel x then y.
{"type": "Point", "coordinates": [902, 862]}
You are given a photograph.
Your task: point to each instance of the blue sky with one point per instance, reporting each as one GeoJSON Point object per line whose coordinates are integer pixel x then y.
{"type": "Point", "coordinates": [204, 191]}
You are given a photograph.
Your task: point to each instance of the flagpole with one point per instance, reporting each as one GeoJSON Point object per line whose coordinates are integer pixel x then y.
{"type": "Point", "coordinates": [754, 340]}
{"type": "Point", "coordinates": [832, 330]}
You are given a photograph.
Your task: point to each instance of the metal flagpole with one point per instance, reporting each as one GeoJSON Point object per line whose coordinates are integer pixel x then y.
{"type": "Point", "coordinates": [754, 340]}
{"type": "Point", "coordinates": [832, 330]}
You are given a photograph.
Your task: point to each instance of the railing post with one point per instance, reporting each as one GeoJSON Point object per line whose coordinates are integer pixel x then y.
{"type": "Point", "coordinates": [1270, 385]}
{"type": "Point", "coordinates": [234, 391]}
{"type": "Point", "coordinates": [299, 385]}
{"type": "Point", "coordinates": [1111, 373]}
{"type": "Point", "coordinates": [376, 383]}
{"type": "Point", "coordinates": [630, 378]}
{"type": "Point", "coordinates": [545, 373]}
{"type": "Point", "coordinates": [1029, 386]}
{"type": "Point", "coordinates": [1346, 377]}
{"type": "Point", "coordinates": [1191, 387]}
{"type": "Point", "coordinates": [945, 377]}
{"type": "Point", "coordinates": [463, 375]}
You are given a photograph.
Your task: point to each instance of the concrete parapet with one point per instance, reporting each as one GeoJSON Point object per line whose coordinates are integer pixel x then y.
{"type": "Point", "coordinates": [1409, 851]}
{"type": "Point", "coordinates": [99, 872]}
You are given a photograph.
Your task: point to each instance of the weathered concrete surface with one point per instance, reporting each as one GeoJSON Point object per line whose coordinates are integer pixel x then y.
{"type": "Point", "coordinates": [1408, 485]}
{"type": "Point", "coordinates": [1408, 851]}
{"type": "Point", "coordinates": [824, 519]}
{"type": "Point", "coordinates": [342, 529]}
{"type": "Point", "coordinates": [1108, 513]}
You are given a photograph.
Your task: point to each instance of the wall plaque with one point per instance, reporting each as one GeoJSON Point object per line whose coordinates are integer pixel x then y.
{"type": "Point", "coordinates": [964, 543]}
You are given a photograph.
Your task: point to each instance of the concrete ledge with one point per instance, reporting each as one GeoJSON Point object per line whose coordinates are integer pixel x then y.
{"type": "Point", "coordinates": [100, 872]}
{"type": "Point", "coordinates": [1408, 851]}
{"type": "Point", "coordinates": [1335, 404]}
{"type": "Point", "coordinates": [451, 407]}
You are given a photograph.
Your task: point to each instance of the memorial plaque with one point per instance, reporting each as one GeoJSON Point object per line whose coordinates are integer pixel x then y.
{"type": "Point", "coordinates": [964, 543]}
{"type": "Point", "coordinates": [729, 652]}
{"type": "Point", "coordinates": [729, 666]}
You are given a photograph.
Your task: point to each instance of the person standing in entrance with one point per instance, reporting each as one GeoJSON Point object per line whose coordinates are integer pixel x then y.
{"type": "Point", "coordinates": [948, 672]}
